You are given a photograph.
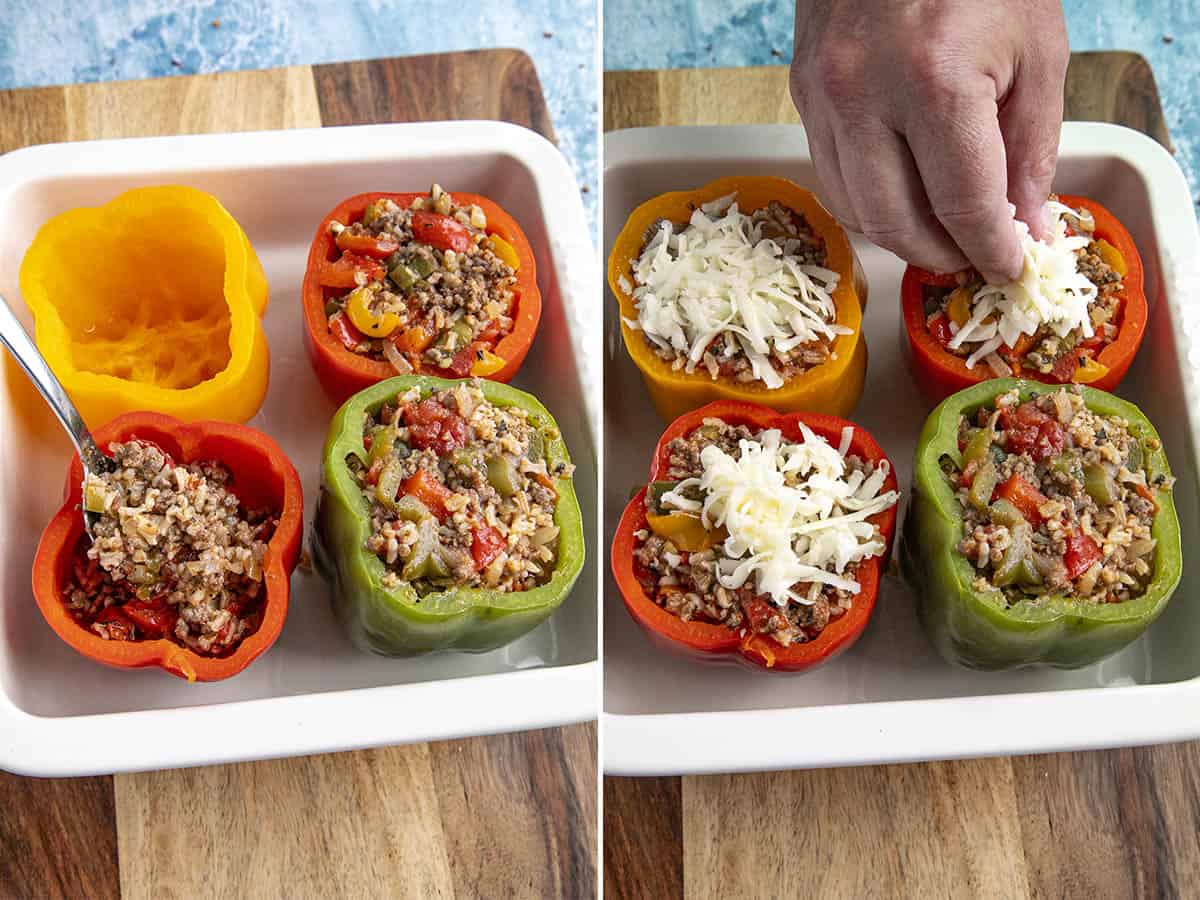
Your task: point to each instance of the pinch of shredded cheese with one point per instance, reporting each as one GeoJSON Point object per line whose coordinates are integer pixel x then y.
{"type": "Point", "coordinates": [720, 276]}
{"type": "Point", "coordinates": [1051, 291]}
{"type": "Point", "coordinates": [780, 534]}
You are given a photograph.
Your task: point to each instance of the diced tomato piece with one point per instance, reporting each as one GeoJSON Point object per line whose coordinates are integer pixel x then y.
{"type": "Point", "coordinates": [367, 245]}
{"type": "Point", "coordinates": [486, 544]}
{"type": "Point", "coordinates": [1065, 366]}
{"type": "Point", "coordinates": [460, 366]}
{"type": "Point", "coordinates": [1017, 352]}
{"type": "Point", "coordinates": [939, 327]}
{"type": "Point", "coordinates": [1082, 553]}
{"type": "Point", "coordinates": [440, 231]}
{"type": "Point", "coordinates": [345, 271]}
{"type": "Point", "coordinates": [155, 618]}
{"type": "Point", "coordinates": [119, 627]}
{"type": "Point", "coordinates": [937, 279]}
{"type": "Point", "coordinates": [758, 612]}
{"type": "Point", "coordinates": [343, 329]}
{"type": "Point", "coordinates": [431, 426]}
{"type": "Point", "coordinates": [1032, 431]}
{"type": "Point", "coordinates": [967, 477]}
{"type": "Point", "coordinates": [428, 490]}
{"type": "Point", "coordinates": [372, 476]}
{"type": "Point", "coordinates": [1024, 496]}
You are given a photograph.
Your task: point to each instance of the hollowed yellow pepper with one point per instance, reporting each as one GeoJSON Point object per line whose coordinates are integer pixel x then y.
{"type": "Point", "coordinates": [153, 301]}
{"type": "Point", "coordinates": [833, 387]}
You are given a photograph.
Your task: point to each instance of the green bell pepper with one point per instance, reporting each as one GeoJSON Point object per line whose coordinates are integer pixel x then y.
{"type": "Point", "coordinates": [396, 621]}
{"type": "Point", "coordinates": [977, 628]}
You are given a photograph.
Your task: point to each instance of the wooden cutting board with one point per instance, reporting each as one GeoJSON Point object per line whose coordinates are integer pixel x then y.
{"type": "Point", "coordinates": [1121, 823]}
{"type": "Point", "coordinates": [512, 815]}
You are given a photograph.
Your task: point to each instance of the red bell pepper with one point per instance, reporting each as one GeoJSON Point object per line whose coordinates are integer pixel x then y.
{"type": "Point", "coordinates": [705, 640]}
{"type": "Point", "coordinates": [939, 373]}
{"type": "Point", "coordinates": [343, 372]}
{"type": "Point", "coordinates": [262, 478]}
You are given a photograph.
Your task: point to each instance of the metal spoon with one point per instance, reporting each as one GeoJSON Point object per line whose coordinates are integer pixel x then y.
{"type": "Point", "coordinates": [13, 336]}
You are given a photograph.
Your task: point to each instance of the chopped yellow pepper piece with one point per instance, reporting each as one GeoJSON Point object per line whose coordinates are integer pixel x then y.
{"type": "Point", "coordinates": [506, 252]}
{"type": "Point", "coordinates": [1112, 256]}
{"type": "Point", "coordinates": [685, 532]}
{"type": "Point", "coordinates": [372, 324]}
{"type": "Point", "coordinates": [1088, 371]}
{"type": "Point", "coordinates": [489, 364]}
{"type": "Point", "coordinates": [959, 309]}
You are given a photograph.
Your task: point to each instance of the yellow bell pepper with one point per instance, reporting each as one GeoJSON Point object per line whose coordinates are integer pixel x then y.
{"type": "Point", "coordinates": [153, 301]}
{"type": "Point", "coordinates": [685, 532]}
{"type": "Point", "coordinates": [959, 307]}
{"type": "Point", "coordinates": [1088, 370]}
{"type": "Point", "coordinates": [506, 252]}
{"type": "Point", "coordinates": [488, 365]}
{"type": "Point", "coordinates": [369, 322]}
{"type": "Point", "coordinates": [833, 388]}
{"type": "Point", "coordinates": [1112, 256]}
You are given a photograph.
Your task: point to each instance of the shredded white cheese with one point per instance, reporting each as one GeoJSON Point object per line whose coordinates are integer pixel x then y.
{"type": "Point", "coordinates": [720, 276]}
{"type": "Point", "coordinates": [782, 534]}
{"type": "Point", "coordinates": [1051, 291]}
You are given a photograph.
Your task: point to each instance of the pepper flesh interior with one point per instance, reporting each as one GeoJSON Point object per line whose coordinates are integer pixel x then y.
{"type": "Point", "coordinates": [144, 300]}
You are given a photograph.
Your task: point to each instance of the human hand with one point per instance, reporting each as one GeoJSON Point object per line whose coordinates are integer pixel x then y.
{"type": "Point", "coordinates": [926, 118]}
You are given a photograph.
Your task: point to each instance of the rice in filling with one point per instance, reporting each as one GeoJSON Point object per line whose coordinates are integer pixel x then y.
{"type": "Point", "coordinates": [174, 555]}
{"type": "Point", "coordinates": [446, 302]}
{"type": "Point", "coordinates": [703, 586]}
{"type": "Point", "coordinates": [695, 321]}
{"type": "Point", "coordinates": [461, 494]}
{"type": "Point", "coordinates": [1055, 500]}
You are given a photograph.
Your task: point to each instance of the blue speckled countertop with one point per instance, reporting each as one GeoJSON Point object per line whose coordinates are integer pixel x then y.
{"type": "Point", "coordinates": [759, 32]}
{"type": "Point", "coordinates": [49, 42]}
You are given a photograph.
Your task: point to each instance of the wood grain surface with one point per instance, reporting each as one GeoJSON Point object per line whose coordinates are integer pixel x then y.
{"type": "Point", "coordinates": [505, 816]}
{"type": "Point", "coordinates": [1098, 825]}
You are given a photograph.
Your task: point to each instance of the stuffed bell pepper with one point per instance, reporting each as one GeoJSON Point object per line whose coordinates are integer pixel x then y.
{"type": "Point", "coordinates": [746, 289]}
{"type": "Point", "coordinates": [195, 532]}
{"type": "Point", "coordinates": [760, 538]}
{"type": "Point", "coordinates": [447, 517]}
{"type": "Point", "coordinates": [1042, 528]}
{"type": "Point", "coordinates": [437, 284]}
{"type": "Point", "coordinates": [1076, 315]}
{"type": "Point", "coordinates": [153, 301]}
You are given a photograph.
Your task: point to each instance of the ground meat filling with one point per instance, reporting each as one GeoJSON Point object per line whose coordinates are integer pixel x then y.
{"type": "Point", "coordinates": [725, 356]}
{"type": "Point", "coordinates": [687, 584]}
{"type": "Point", "coordinates": [461, 494]}
{"type": "Point", "coordinates": [443, 290]}
{"type": "Point", "coordinates": [173, 554]}
{"type": "Point", "coordinates": [1043, 352]}
{"type": "Point", "coordinates": [1055, 500]}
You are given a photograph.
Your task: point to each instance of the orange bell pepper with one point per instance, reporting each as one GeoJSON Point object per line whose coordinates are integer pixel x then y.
{"type": "Point", "coordinates": [343, 372]}
{"type": "Point", "coordinates": [939, 373]}
{"type": "Point", "coordinates": [152, 301]}
{"type": "Point", "coordinates": [833, 388]}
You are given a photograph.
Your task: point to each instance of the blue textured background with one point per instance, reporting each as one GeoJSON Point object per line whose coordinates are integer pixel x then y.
{"type": "Point", "coordinates": [759, 32]}
{"type": "Point", "coordinates": [50, 42]}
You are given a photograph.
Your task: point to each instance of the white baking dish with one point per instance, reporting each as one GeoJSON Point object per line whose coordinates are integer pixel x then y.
{"type": "Point", "coordinates": [890, 698]}
{"type": "Point", "coordinates": [61, 714]}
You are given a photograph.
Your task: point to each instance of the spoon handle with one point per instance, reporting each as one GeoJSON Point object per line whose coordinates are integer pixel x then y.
{"type": "Point", "coordinates": [13, 336]}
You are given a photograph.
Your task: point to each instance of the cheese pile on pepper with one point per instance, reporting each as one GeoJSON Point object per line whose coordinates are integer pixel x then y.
{"type": "Point", "coordinates": [1051, 292]}
{"type": "Point", "coordinates": [783, 532]}
{"type": "Point", "coordinates": [719, 275]}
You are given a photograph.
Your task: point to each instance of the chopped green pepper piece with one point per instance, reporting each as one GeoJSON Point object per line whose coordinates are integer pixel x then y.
{"type": "Point", "coordinates": [456, 336]}
{"type": "Point", "coordinates": [1016, 566]}
{"type": "Point", "coordinates": [372, 213]}
{"type": "Point", "coordinates": [1067, 464]}
{"type": "Point", "coordinates": [980, 442]}
{"type": "Point", "coordinates": [1136, 459]}
{"type": "Point", "coordinates": [404, 276]}
{"type": "Point", "coordinates": [502, 474]}
{"type": "Point", "coordinates": [411, 509]}
{"type": "Point", "coordinates": [383, 440]}
{"type": "Point", "coordinates": [655, 491]}
{"type": "Point", "coordinates": [422, 266]}
{"type": "Point", "coordinates": [983, 485]}
{"type": "Point", "coordinates": [1100, 484]}
{"type": "Point", "coordinates": [331, 308]}
{"type": "Point", "coordinates": [389, 482]}
{"type": "Point", "coordinates": [537, 447]}
{"type": "Point", "coordinates": [426, 560]}
{"type": "Point", "coordinates": [1005, 513]}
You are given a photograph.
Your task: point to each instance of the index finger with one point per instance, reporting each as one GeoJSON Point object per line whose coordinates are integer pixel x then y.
{"type": "Point", "coordinates": [959, 153]}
